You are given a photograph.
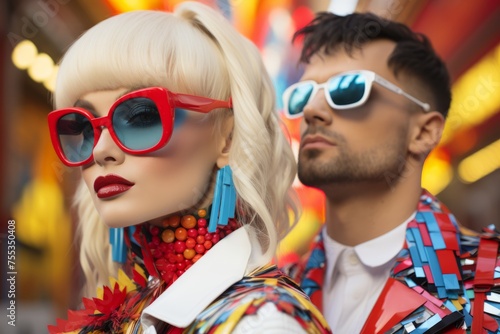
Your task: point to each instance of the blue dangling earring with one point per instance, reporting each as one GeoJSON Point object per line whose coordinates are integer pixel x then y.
{"type": "Point", "coordinates": [118, 247]}
{"type": "Point", "coordinates": [224, 202]}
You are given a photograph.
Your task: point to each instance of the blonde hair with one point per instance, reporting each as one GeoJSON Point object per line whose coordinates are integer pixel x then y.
{"type": "Point", "coordinates": [193, 50]}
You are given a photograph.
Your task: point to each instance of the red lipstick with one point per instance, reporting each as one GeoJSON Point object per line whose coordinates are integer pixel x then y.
{"type": "Point", "coordinates": [111, 185]}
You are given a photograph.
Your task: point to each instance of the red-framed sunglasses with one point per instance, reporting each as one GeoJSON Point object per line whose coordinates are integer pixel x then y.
{"type": "Point", "coordinates": [139, 122]}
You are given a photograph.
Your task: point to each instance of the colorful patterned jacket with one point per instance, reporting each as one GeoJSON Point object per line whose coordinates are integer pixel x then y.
{"type": "Point", "coordinates": [265, 285]}
{"type": "Point", "coordinates": [216, 295]}
{"type": "Point", "coordinates": [439, 277]}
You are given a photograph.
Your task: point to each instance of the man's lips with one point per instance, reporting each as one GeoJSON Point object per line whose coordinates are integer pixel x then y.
{"type": "Point", "coordinates": [111, 185]}
{"type": "Point", "coordinates": [315, 141]}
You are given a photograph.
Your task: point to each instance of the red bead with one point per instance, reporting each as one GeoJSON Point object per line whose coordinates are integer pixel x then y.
{"type": "Point", "coordinates": [192, 233]}
{"type": "Point", "coordinates": [179, 246]}
{"type": "Point", "coordinates": [215, 238]}
{"type": "Point", "coordinates": [154, 230]}
{"type": "Point", "coordinates": [180, 265]}
{"type": "Point", "coordinates": [200, 239]}
{"type": "Point", "coordinates": [202, 230]}
{"type": "Point", "coordinates": [189, 253]}
{"type": "Point", "coordinates": [200, 249]}
{"type": "Point", "coordinates": [161, 264]}
{"type": "Point", "coordinates": [174, 221]}
{"type": "Point", "coordinates": [208, 236]}
{"type": "Point", "coordinates": [207, 244]}
{"type": "Point", "coordinates": [177, 274]}
{"type": "Point", "coordinates": [179, 257]}
{"type": "Point", "coordinates": [188, 221]}
{"type": "Point", "coordinates": [202, 222]}
{"type": "Point", "coordinates": [170, 267]}
{"type": "Point", "coordinates": [163, 247]}
{"type": "Point", "coordinates": [167, 276]}
{"type": "Point", "coordinates": [156, 253]}
{"type": "Point", "coordinates": [197, 257]}
{"type": "Point", "coordinates": [168, 236]}
{"type": "Point", "coordinates": [181, 233]}
{"type": "Point", "coordinates": [172, 258]}
{"type": "Point", "coordinates": [190, 243]}
{"type": "Point", "coordinates": [156, 240]}
{"type": "Point", "coordinates": [233, 224]}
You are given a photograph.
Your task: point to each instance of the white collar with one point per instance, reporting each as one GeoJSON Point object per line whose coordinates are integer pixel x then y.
{"type": "Point", "coordinates": [225, 264]}
{"type": "Point", "coordinates": [387, 245]}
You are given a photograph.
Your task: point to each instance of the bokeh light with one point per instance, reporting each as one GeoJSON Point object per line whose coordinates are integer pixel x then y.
{"type": "Point", "coordinates": [24, 54]}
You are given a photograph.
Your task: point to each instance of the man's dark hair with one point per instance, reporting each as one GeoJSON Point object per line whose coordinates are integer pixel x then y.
{"type": "Point", "coordinates": [412, 55]}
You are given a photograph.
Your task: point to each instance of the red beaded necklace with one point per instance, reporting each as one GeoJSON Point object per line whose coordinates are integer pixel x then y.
{"type": "Point", "coordinates": [168, 251]}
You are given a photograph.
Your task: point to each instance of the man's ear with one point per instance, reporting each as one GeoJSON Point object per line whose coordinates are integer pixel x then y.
{"type": "Point", "coordinates": [426, 133]}
{"type": "Point", "coordinates": [225, 141]}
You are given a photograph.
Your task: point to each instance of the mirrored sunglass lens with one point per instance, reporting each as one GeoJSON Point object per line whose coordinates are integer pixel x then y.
{"type": "Point", "coordinates": [137, 123]}
{"type": "Point", "coordinates": [76, 137]}
{"type": "Point", "coordinates": [347, 89]}
{"type": "Point", "coordinates": [299, 98]}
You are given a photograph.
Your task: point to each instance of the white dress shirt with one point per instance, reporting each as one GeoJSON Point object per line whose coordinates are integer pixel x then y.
{"type": "Point", "coordinates": [355, 277]}
{"type": "Point", "coordinates": [225, 264]}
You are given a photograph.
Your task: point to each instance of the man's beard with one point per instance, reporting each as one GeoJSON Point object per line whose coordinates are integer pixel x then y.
{"type": "Point", "coordinates": [381, 164]}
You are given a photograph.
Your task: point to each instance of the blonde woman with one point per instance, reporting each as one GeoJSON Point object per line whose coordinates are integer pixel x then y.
{"type": "Point", "coordinates": [171, 118]}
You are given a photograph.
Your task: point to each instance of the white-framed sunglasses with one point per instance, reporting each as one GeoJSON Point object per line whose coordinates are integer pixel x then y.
{"type": "Point", "coordinates": [342, 91]}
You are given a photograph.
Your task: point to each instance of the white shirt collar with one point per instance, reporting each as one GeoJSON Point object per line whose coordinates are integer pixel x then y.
{"type": "Point", "coordinates": [387, 245]}
{"type": "Point", "coordinates": [225, 264]}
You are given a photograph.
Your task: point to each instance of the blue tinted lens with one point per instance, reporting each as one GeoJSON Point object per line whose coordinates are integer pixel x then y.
{"type": "Point", "coordinates": [180, 117]}
{"type": "Point", "coordinates": [299, 98]}
{"type": "Point", "coordinates": [137, 123]}
{"type": "Point", "coordinates": [347, 89]}
{"type": "Point", "coordinates": [76, 136]}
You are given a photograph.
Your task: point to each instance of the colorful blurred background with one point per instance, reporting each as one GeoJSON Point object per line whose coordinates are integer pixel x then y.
{"type": "Point", "coordinates": [36, 188]}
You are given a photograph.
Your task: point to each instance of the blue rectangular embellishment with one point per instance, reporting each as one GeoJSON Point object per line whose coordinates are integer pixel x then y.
{"type": "Point", "coordinates": [420, 245]}
{"type": "Point", "coordinates": [427, 324]}
{"type": "Point", "coordinates": [451, 282]}
{"type": "Point", "coordinates": [409, 236]}
{"type": "Point", "coordinates": [467, 317]}
{"type": "Point", "coordinates": [437, 274]}
{"type": "Point", "coordinates": [437, 240]}
{"type": "Point", "coordinates": [430, 221]}
{"type": "Point", "coordinates": [419, 272]}
{"type": "Point", "coordinates": [414, 256]}
{"type": "Point", "coordinates": [410, 282]}
{"type": "Point", "coordinates": [442, 293]}
{"type": "Point", "coordinates": [449, 305]}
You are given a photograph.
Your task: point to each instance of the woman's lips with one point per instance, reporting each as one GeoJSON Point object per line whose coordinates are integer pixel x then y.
{"type": "Point", "coordinates": [111, 185]}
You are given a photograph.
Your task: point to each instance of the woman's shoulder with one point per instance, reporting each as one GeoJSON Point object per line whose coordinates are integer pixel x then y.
{"type": "Point", "coordinates": [264, 299]}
